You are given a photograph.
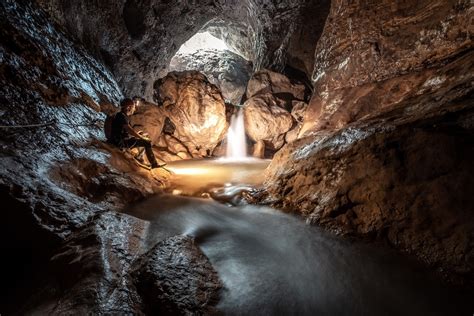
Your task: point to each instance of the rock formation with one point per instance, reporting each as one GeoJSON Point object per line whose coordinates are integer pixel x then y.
{"type": "Point", "coordinates": [225, 69]}
{"type": "Point", "coordinates": [274, 107]}
{"type": "Point", "coordinates": [57, 173]}
{"type": "Point", "coordinates": [196, 109]}
{"type": "Point", "coordinates": [402, 74]}
{"type": "Point", "coordinates": [137, 39]}
{"type": "Point", "coordinates": [382, 151]}
{"type": "Point", "coordinates": [373, 56]}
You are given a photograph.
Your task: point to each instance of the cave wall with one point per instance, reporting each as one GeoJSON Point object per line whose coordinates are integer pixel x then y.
{"type": "Point", "coordinates": [373, 55]}
{"type": "Point", "coordinates": [385, 149]}
{"type": "Point", "coordinates": [57, 173]}
{"type": "Point", "coordinates": [137, 39]}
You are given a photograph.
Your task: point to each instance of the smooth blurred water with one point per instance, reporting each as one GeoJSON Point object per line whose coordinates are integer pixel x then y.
{"type": "Point", "coordinates": [274, 264]}
{"type": "Point", "coordinates": [236, 142]}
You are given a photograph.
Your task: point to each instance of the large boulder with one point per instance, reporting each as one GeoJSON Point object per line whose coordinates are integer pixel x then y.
{"type": "Point", "coordinates": [266, 81]}
{"type": "Point", "coordinates": [176, 278]}
{"type": "Point", "coordinates": [267, 120]}
{"type": "Point", "coordinates": [196, 108]}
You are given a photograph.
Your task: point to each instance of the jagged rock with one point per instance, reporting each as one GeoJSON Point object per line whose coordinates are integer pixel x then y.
{"type": "Point", "coordinates": [176, 278]}
{"type": "Point", "coordinates": [227, 70]}
{"type": "Point", "coordinates": [298, 112]}
{"type": "Point", "coordinates": [89, 268]}
{"type": "Point", "coordinates": [137, 39]}
{"type": "Point", "coordinates": [197, 110]}
{"type": "Point", "coordinates": [266, 119]}
{"type": "Point", "coordinates": [234, 33]}
{"type": "Point", "coordinates": [266, 81]}
{"type": "Point", "coordinates": [404, 179]}
{"type": "Point", "coordinates": [57, 89]}
{"type": "Point", "coordinates": [372, 57]}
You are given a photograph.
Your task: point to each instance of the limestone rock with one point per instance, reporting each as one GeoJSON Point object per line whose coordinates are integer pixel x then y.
{"type": "Point", "coordinates": [88, 268]}
{"type": "Point", "coordinates": [404, 179]}
{"type": "Point", "coordinates": [374, 56]}
{"type": "Point", "coordinates": [266, 81]}
{"type": "Point", "coordinates": [175, 277]}
{"type": "Point", "coordinates": [225, 69]}
{"type": "Point", "coordinates": [56, 172]}
{"type": "Point", "coordinates": [266, 119]}
{"type": "Point", "coordinates": [197, 110]}
{"type": "Point", "coordinates": [137, 39]}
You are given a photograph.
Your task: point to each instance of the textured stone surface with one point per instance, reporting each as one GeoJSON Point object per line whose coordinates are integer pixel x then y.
{"type": "Point", "coordinates": [406, 180]}
{"type": "Point", "coordinates": [57, 173]}
{"type": "Point", "coordinates": [227, 70]}
{"type": "Point", "coordinates": [266, 81]}
{"type": "Point", "coordinates": [374, 55]}
{"type": "Point", "coordinates": [137, 39]}
{"type": "Point", "coordinates": [90, 272]}
{"type": "Point", "coordinates": [175, 277]}
{"type": "Point", "coordinates": [150, 119]}
{"type": "Point", "coordinates": [267, 119]}
{"type": "Point", "coordinates": [196, 109]}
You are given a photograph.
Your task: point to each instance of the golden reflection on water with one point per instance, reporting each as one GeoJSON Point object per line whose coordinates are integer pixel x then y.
{"type": "Point", "coordinates": [198, 175]}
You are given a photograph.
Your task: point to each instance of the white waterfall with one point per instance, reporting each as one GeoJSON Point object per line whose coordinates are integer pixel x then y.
{"type": "Point", "coordinates": [236, 143]}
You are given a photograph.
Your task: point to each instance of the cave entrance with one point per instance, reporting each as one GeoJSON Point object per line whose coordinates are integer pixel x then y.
{"type": "Point", "coordinates": [222, 64]}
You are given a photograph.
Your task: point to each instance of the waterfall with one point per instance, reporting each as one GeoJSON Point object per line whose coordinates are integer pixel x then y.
{"type": "Point", "coordinates": [236, 143]}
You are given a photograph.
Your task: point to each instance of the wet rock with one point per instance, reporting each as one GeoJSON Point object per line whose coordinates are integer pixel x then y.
{"type": "Point", "coordinates": [149, 118]}
{"type": "Point", "coordinates": [176, 278]}
{"type": "Point", "coordinates": [197, 110]}
{"type": "Point", "coordinates": [401, 179]}
{"type": "Point", "coordinates": [266, 81]}
{"type": "Point", "coordinates": [137, 39]}
{"type": "Point", "coordinates": [54, 166]}
{"type": "Point", "coordinates": [225, 69]}
{"type": "Point", "coordinates": [89, 272]}
{"type": "Point", "coordinates": [375, 56]}
{"type": "Point", "coordinates": [267, 120]}
{"type": "Point", "coordinates": [172, 148]}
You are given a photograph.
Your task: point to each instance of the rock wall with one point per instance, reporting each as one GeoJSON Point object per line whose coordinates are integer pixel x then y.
{"type": "Point", "coordinates": [386, 143]}
{"type": "Point", "coordinates": [404, 180]}
{"type": "Point", "coordinates": [373, 55]}
{"type": "Point", "coordinates": [57, 173]}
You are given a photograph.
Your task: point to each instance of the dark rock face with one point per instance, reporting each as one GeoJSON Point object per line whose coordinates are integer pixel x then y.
{"type": "Point", "coordinates": [90, 271]}
{"type": "Point", "coordinates": [225, 69]}
{"type": "Point", "coordinates": [372, 56]}
{"type": "Point", "coordinates": [137, 39]}
{"type": "Point", "coordinates": [404, 180]}
{"type": "Point", "coordinates": [105, 268]}
{"type": "Point", "coordinates": [176, 276]}
{"type": "Point", "coordinates": [56, 171]}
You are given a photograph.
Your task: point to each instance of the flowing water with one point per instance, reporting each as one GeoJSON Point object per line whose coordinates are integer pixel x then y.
{"type": "Point", "coordinates": [236, 142]}
{"type": "Point", "coordinates": [274, 264]}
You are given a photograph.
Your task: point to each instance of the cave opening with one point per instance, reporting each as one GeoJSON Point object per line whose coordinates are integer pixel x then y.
{"type": "Point", "coordinates": [224, 65]}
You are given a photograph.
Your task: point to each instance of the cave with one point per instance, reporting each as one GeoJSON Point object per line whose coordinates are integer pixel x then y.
{"type": "Point", "coordinates": [350, 191]}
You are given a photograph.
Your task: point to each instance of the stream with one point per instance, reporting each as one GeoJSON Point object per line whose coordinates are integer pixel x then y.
{"type": "Point", "coordinates": [272, 263]}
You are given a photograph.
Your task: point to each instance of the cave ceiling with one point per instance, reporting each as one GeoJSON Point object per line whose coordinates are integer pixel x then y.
{"type": "Point", "coordinates": [136, 39]}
